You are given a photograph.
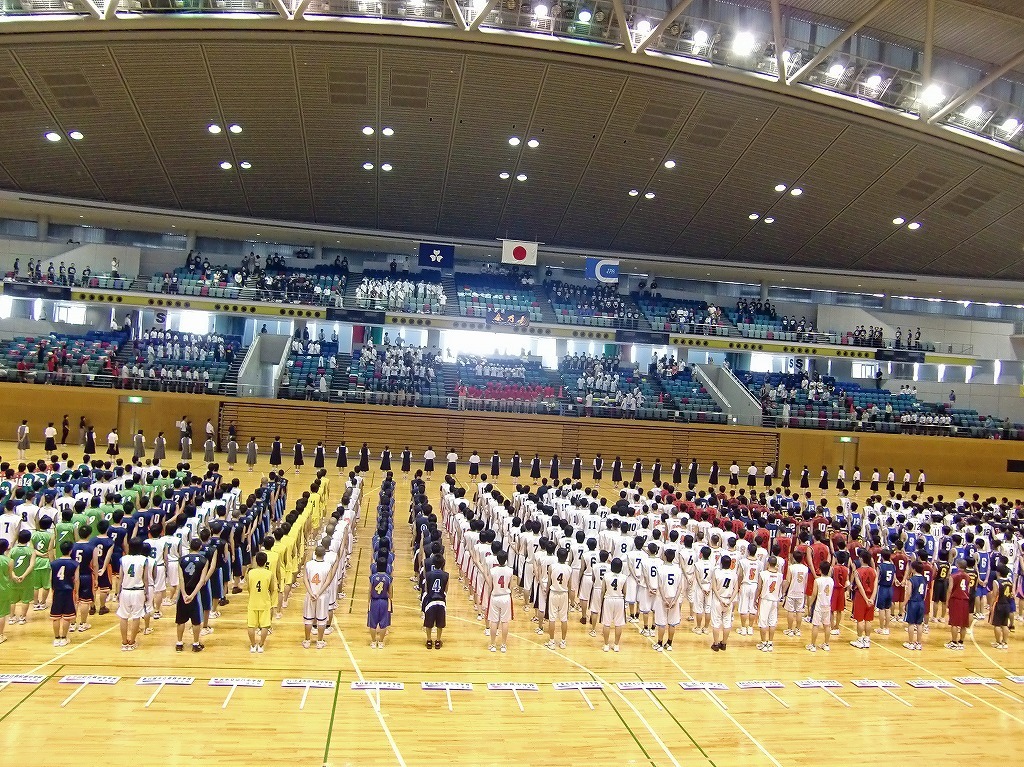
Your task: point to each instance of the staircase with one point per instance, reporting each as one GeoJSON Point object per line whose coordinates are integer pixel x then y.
{"type": "Point", "coordinates": [229, 386]}
{"type": "Point", "coordinates": [547, 312]}
{"type": "Point", "coordinates": [450, 377]}
{"type": "Point", "coordinates": [349, 296]}
{"type": "Point", "coordinates": [339, 381]}
{"type": "Point", "coordinates": [451, 294]}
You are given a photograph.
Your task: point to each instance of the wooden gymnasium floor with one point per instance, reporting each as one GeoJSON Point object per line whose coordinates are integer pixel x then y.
{"type": "Point", "coordinates": [341, 726]}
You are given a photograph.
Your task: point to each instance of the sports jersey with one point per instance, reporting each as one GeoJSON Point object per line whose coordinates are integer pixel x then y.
{"type": "Point", "coordinates": [258, 583]}
{"type": "Point", "coordinates": [133, 572]}
{"type": "Point", "coordinates": [63, 573]}
{"type": "Point", "coordinates": [380, 585]}
{"type": "Point", "coordinates": [771, 585]}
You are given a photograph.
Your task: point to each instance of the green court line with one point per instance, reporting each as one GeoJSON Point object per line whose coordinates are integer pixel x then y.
{"type": "Point", "coordinates": [624, 724]}
{"type": "Point", "coordinates": [330, 725]}
{"type": "Point", "coordinates": [685, 731]}
{"type": "Point", "coordinates": [33, 691]}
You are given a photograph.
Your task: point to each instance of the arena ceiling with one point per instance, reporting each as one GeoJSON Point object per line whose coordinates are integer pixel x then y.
{"type": "Point", "coordinates": [607, 123]}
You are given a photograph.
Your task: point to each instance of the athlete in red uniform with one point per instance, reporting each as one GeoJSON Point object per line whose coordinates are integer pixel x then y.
{"type": "Point", "coordinates": [865, 581]}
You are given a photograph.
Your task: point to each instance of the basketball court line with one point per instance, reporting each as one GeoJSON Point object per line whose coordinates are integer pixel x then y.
{"type": "Point", "coordinates": [680, 724]}
{"type": "Point", "coordinates": [33, 691]}
{"type": "Point", "coordinates": [74, 647]}
{"type": "Point", "coordinates": [939, 676]}
{"type": "Point", "coordinates": [376, 708]}
{"type": "Point", "coordinates": [330, 724]}
{"type": "Point", "coordinates": [721, 708]}
{"type": "Point", "coordinates": [629, 729]}
{"type": "Point", "coordinates": [974, 641]}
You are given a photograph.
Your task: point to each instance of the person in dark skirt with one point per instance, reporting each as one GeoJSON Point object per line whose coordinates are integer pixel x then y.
{"type": "Point", "coordinates": [535, 466]}
{"type": "Point", "coordinates": [577, 467]}
{"type": "Point", "coordinates": [841, 478]}
{"type": "Point", "coordinates": [90, 441]}
{"type": "Point", "coordinates": [232, 453]}
{"type": "Point", "coordinates": [906, 480]}
{"type": "Point", "coordinates": [275, 452]}
{"type": "Point", "coordinates": [823, 482]}
{"type": "Point", "coordinates": [855, 485]}
{"type": "Point", "coordinates": [452, 459]}
{"type": "Point", "coordinates": [656, 473]}
{"type": "Point", "coordinates": [159, 447]}
{"type": "Point", "coordinates": [251, 452]}
{"type": "Point", "coordinates": [517, 465]}
{"type": "Point", "coordinates": [474, 464]}
{"type": "Point", "coordinates": [65, 430]}
{"type": "Point", "coordinates": [874, 480]}
{"type": "Point", "coordinates": [364, 458]}
{"type": "Point", "coordinates": [341, 454]}
{"type": "Point", "coordinates": [920, 480]}
{"type": "Point", "coordinates": [677, 472]}
{"type": "Point", "coordinates": [209, 447]}
{"type": "Point", "coordinates": [598, 468]}
{"type": "Point", "coordinates": [734, 474]}
{"type": "Point", "coordinates": [319, 456]}
{"type": "Point", "coordinates": [713, 476]}
{"type": "Point", "coordinates": [112, 448]}
{"type": "Point", "coordinates": [495, 464]}
{"type": "Point", "coordinates": [428, 460]}
{"type": "Point", "coordinates": [554, 467]}
{"type": "Point", "coordinates": [691, 473]}
{"type": "Point", "coordinates": [385, 459]}
{"type": "Point", "coordinates": [50, 442]}
{"type": "Point", "coordinates": [752, 476]}
{"type": "Point", "coordinates": [298, 459]}
{"type": "Point", "coordinates": [406, 460]}
{"type": "Point", "coordinates": [638, 471]}
{"type": "Point", "coordinates": [617, 470]}
{"type": "Point", "coordinates": [786, 477]}
{"type": "Point", "coordinates": [805, 477]}
{"type": "Point", "coordinates": [769, 475]}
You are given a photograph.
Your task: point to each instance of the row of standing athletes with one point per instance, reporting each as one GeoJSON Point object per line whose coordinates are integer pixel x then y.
{"type": "Point", "coordinates": [656, 577]}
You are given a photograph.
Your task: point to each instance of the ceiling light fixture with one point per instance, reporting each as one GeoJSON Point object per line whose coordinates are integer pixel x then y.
{"type": "Point", "coordinates": [368, 130]}
{"type": "Point", "coordinates": [780, 187]}
{"type": "Point", "coordinates": [914, 226]}
{"type": "Point", "coordinates": [367, 166]}
{"type": "Point", "coordinates": [52, 136]}
{"type": "Point", "coordinates": [932, 96]}
{"type": "Point", "coordinates": [836, 71]}
{"type": "Point", "coordinates": [213, 128]}
{"type": "Point", "coordinates": [386, 166]}
{"type": "Point", "coordinates": [634, 192]}
{"type": "Point", "coordinates": [899, 221]}
{"type": "Point", "coordinates": [769, 220]}
{"type": "Point", "coordinates": [973, 112]}
{"type": "Point", "coordinates": [540, 11]}
{"type": "Point", "coordinates": [743, 44]}
{"type": "Point", "coordinates": [649, 195]}
{"type": "Point", "coordinates": [225, 165]}
{"type": "Point", "coordinates": [76, 135]}
{"type": "Point", "coordinates": [533, 143]}
{"type": "Point", "coordinates": [700, 38]}
{"type": "Point", "coordinates": [514, 141]}
{"type": "Point", "coordinates": [670, 164]}
{"type": "Point", "coordinates": [388, 131]}
{"type": "Point", "coordinates": [245, 165]}
{"type": "Point", "coordinates": [754, 216]}
{"type": "Point", "coordinates": [1010, 125]}
{"type": "Point", "coordinates": [873, 82]}
{"type": "Point", "coordinates": [796, 191]}
{"type": "Point", "coordinates": [521, 177]}
{"type": "Point", "coordinates": [504, 175]}
{"type": "Point", "coordinates": [585, 16]}
{"type": "Point", "coordinates": [643, 27]}
{"type": "Point", "coordinates": [235, 128]}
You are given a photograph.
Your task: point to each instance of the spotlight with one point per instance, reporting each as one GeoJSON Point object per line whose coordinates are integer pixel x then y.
{"type": "Point", "coordinates": [899, 221]}
{"type": "Point", "coordinates": [533, 143]}
{"type": "Point", "coordinates": [540, 11]}
{"type": "Point", "coordinates": [503, 175]}
{"type": "Point", "coordinates": [367, 166]}
{"type": "Point", "coordinates": [634, 192]}
{"type": "Point", "coordinates": [585, 16]}
{"type": "Point", "coordinates": [670, 164]}
{"type": "Point", "coordinates": [225, 165]}
{"type": "Point", "coordinates": [213, 128]}
{"type": "Point", "coordinates": [836, 71]}
{"type": "Point", "coordinates": [932, 96]}
{"type": "Point", "coordinates": [76, 135]}
{"type": "Point", "coordinates": [52, 136]}
{"type": "Point", "coordinates": [743, 44]}
{"type": "Point", "coordinates": [914, 225]}
{"type": "Point", "coordinates": [973, 112]}
{"type": "Point", "coordinates": [700, 38]}
{"type": "Point", "coordinates": [514, 141]}
{"type": "Point", "coordinates": [368, 130]}
{"type": "Point", "coordinates": [235, 128]}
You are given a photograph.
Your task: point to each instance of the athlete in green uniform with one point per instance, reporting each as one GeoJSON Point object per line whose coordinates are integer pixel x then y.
{"type": "Point", "coordinates": [42, 542]}
{"type": "Point", "coordinates": [24, 558]}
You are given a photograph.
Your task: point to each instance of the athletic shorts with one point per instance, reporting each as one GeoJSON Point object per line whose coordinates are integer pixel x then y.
{"type": "Point", "coordinates": [939, 591]}
{"type": "Point", "coordinates": [884, 599]}
{"type": "Point", "coordinates": [768, 614]}
{"type": "Point", "coordinates": [41, 579]}
{"type": "Point", "coordinates": [63, 605]}
{"type": "Point", "coordinates": [132, 605]}
{"type": "Point", "coordinates": [160, 578]}
{"type": "Point", "coordinates": [85, 593]}
{"type": "Point", "coordinates": [862, 611]}
{"type": "Point", "coordinates": [646, 600]}
{"type": "Point", "coordinates": [500, 609]}
{"type": "Point", "coordinates": [959, 613]}
{"type": "Point", "coordinates": [171, 571]}
{"type": "Point", "coordinates": [796, 602]}
{"type": "Point", "coordinates": [665, 616]}
{"type": "Point", "coordinates": [435, 616]}
{"type": "Point", "coordinates": [258, 619]}
{"type": "Point", "coordinates": [379, 616]}
{"type": "Point", "coordinates": [188, 613]}
{"type": "Point", "coordinates": [915, 613]}
{"type": "Point", "coordinates": [613, 611]}
{"type": "Point", "coordinates": [318, 610]}
{"type": "Point", "coordinates": [745, 602]}
{"type": "Point", "coordinates": [558, 606]}
{"type": "Point", "coordinates": [103, 581]}
{"type": "Point", "coordinates": [838, 600]}
{"type": "Point", "coordinates": [631, 590]}
{"type": "Point", "coordinates": [822, 614]}
{"type": "Point", "coordinates": [585, 588]}
{"type": "Point", "coordinates": [701, 601]}
{"type": "Point", "coordinates": [721, 615]}
{"type": "Point", "coordinates": [1001, 615]}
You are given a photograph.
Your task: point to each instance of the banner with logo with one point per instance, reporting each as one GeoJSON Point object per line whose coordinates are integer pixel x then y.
{"type": "Point", "coordinates": [602, 270]}
{"type": "Point", "coordinates": [435, 256]}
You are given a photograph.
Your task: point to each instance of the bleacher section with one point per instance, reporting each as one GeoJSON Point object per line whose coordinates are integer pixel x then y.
{"type": "Point", "coordinates": [678, 315]}
{"type": "Point", "coordinates": [391, 375]}
{"type": "Point", "coordinates": [59, 358]}
{"type": "Point", "coordinates": [479, 293]}
{"type": "Point", "coordinates": [222, 283]}
{"type": "Point", "coordinates": [507, 384]}
{"type": "Point", "coordinates": [587, 305]}
{"type": "Point", "coordinates": [305, 365]}
{"type": "Point", "coordinates": [420, 293]}
{"type": "Point", "coordinates": [691, 399]}
{"type": "Point", "coordinates": [202, 360]}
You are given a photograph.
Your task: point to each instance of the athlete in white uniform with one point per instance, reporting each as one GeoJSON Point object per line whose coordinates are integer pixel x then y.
{"type": "Point", "coordinates": [702, 590]}
{"type": "Point", "coordinates": [317, 576]}
{"type": "Point", "coordinates": [670, 594]}
{"type": "Point", "coordinates": [749, 567]}
{"type": "Point", "coordinates": [559, 575]}
{"type": "Point", "coordinates": [796, 594]}
{"type": "Point", "coordinates": [723, 595]}
{"type": "Point", "coordinates": [821, 621]}
{"type": "Point", "coordinates": [613, 611]}
{"type": "Point", "coordinates": [769, 589]}
{"type": "Point", "coordinates": [131, 599]}
{"type": "Point", "coordinates": [499, 611]}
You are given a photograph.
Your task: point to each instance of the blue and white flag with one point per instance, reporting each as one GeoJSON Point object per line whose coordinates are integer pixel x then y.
{"type": "Point", "coordinates": [434, 256]}
{"type": "Point", "coordinates": [603, 270]}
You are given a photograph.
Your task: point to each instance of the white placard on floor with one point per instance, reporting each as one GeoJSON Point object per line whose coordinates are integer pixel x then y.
{"type": "Point", "coordinates": [234, 683]}
{"type": "Point", "coordinates": [447, 687]}
{"type": "Point", "coordinates": [828, 685]}
{"type": "Point", "coordinates": [885, 685]}
{"type": "Point", "coordinates": [378, 685]}
{"type": "Point", "coordinates": [704, 686]}
{"type": "Point", "coordinates": [307, 685]}
{"type": "Point", "coordinates": [162, 681]}
{"type": "Point", "coordinates": [581, 687]}
{"type": "Point", "coordinates": [937, 684]}
{"type": "Point", "coordinates": [641, 685]}
{"type": "Point", "coordinates": [83, 681]}
{"type": "Point", "coordinates": [983, 680]}
{"type": "Point", "coordinates": [768, 685]}
{"type": "Point", "coordinates": [515, 687]}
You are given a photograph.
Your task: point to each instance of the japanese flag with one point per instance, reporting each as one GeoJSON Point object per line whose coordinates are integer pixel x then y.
{"type": "Point", "coordinates": [516, 252]}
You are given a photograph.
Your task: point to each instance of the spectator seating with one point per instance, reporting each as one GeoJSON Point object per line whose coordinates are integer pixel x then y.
{"type": "Point", "coordinates": [399, 384]}
{"type": "Point", "coordinates": [691, 399]}
{"type": "Point", "coordinates": [94, 349]}
{"type": "Point", "coordinates": [479, 293]}
{"type": "Point", "coordinates": [585, 305]}
{"type": "Point", "coordinates": [220, 282]}
{"type": "Point", "coordinates": [419, 293]}
{"type": "Point", "coordinates": [322, 285]}
{"type": "Point", "coordinates": [219, 352]}
{"type": "Point", "coordinates": [664, 315]}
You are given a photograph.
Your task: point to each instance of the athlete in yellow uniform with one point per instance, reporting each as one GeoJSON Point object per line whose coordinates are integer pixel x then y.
{"type": "Point", "coordinates": [260, 585]}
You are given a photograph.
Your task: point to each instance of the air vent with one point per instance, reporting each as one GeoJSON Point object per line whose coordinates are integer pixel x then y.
{"type": "Point", "coordinates": [969, 201]}
{"type": "Point", "coordinates": [656, 120]}
{"type": "Point", "coordinates": [409, 88]}
{"type": "Point", "coordinates": [923, 186]}
{"type": "Point", "coordinates": [12, 97]}
{"type": "Point", "coordinates": [711, 130]}
{"type": "Point", "coordinates": [346, 86]}
{"type": "Point", "coordinates": [71, 90]}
